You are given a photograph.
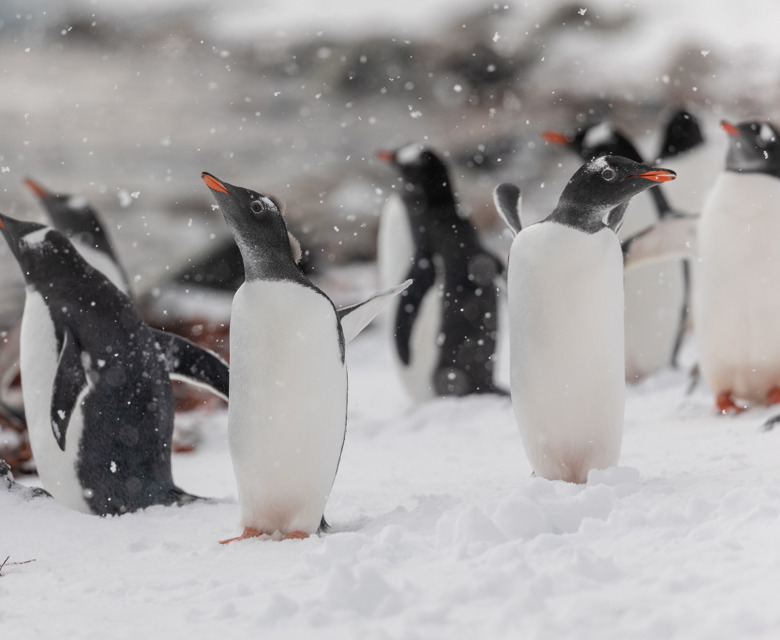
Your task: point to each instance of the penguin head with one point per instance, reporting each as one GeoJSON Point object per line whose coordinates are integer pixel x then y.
{"type": "Point", "coordinates": [601, 185]}
{"type": "Point", "coordinates": [596, 140]}
{"type": "Point", "coordinates": [419, 167]}
{"type": "Point", "coordinates": [71, 215]}
{"type": "Point", "coordinates": [682, 133]}
{"type": "Point", "coordinates": [754, 147]}
{"type": "Point", "coordinates": [43, 253]}
{"type": "Point", "coordinates": [257, 225]}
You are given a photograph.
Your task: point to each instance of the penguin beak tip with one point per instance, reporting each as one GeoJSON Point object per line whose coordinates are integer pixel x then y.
{"type": "Point", "coordinates": [212, 183]}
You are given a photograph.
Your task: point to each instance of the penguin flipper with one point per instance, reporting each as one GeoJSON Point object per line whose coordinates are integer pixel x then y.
{"type": "Point", "coordinates": [188, 362]}
{"type": "Point", "coordinates": [508, 201]}
{"type": "Point", "coordinates": [355, 317]}
{"type": "Point", "coordinates": [69, 381]}
{"type": "Point", "coordinates": [422, 279]}
{"type": "Point", "coordinates": [671, 238]}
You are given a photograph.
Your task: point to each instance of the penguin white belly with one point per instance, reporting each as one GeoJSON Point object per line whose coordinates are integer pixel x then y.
{"type": "Point", "coordinates": [395, 245]}
{"type": "Point", "coordinates": [736, 304]}
{"type": "Point", "coordinates": [654, 296]}
{"type": "Point", "coordinates": [288, 403]}
{"type": "Point", "coordinates": [698, 170]}
{"type": "Point", "coordinates": [102, 263]}
{"type": "Point", "coordinates": [566, 348]}
{"type": "Point", "coordinates": [38, 361]}
{"type": "Point", "coordinates": [417, 375]}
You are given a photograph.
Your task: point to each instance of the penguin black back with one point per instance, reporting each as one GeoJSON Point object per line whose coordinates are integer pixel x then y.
{"type": "Point", "coordinates": [447, 246]}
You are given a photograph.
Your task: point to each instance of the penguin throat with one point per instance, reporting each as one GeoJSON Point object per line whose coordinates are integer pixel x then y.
{"type": "Point", "coordinates": [583, 218]}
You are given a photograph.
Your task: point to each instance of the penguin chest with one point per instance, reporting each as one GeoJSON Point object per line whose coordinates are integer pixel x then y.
{"type": "Point", "coordinates": [424, 344]}
{"type": "Point", "coordinates": [566, 348]}
{"type": "Point", "coordinates": [736, 299]}
{"type": "Point", "coordinates": [287, 411]}
{"type": "Point", "coordinates": [39, 355]}
{"type": "Point", "coordinates": [395, 244]}
{"type": "Point", "coordinates": [654, 299]}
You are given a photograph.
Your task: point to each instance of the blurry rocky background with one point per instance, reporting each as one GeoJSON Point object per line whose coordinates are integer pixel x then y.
{"type": "Point", "coordinates": [126, 103]}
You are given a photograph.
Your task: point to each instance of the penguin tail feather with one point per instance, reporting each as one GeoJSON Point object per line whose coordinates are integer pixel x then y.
{"type": "Point", "coordinates": [324, 526]}
{"type": "Point", "coordinates": [181, 497]}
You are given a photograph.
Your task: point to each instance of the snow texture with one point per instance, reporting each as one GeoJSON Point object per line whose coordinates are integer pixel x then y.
{"type": "Point", "coordinates": [438, 531]}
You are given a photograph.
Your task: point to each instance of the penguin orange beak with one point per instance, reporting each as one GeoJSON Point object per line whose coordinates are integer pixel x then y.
{"type": "Point", "coordinates": [555, 137]}
{"type": "Point", "coordinates": [657, 175]}
{"type": "Point", "coordinates": [385, 156]}
{"type": "Point", "coordinates": [212, 183]}
{"type": "Point", "coordinates": [36, 188]}
{"type": "Point", "coordinates": [729, 128]}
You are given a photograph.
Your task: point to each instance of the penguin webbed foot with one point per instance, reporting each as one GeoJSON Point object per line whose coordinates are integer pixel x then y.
{"type": "Point", "coordinates": [725, 404]}
{"type": "Point", "coordinates": [251, 532]}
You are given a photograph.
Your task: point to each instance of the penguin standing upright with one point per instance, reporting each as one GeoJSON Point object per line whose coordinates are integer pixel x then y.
{"type": "Point", "coordinates": [736, 305]}
{"type": "Point", "coordinates": [96, 380]}
{"type": "Point", "coordinates": [565, 285]}
{"type": "Point", "coordinates": [79, 222]}
{"type": "Point", "coordinates": [445, 327]}
{"type": "Point", "coordinates": [287, 412]}
{"type": "Point", "coordinates": [656, 295]}
{"type": "Point", "coordinates": [685, 150]}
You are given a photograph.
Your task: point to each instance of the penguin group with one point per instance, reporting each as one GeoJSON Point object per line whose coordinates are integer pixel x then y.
{"type": "Point", "coordinates": [598, 293]}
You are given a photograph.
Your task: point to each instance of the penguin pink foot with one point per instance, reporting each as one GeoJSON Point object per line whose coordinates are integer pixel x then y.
{"type": "Point", "coordinates": [773, 396]}
{"type": "Point", "coordinates": [251, 532]}
{"type": "Point", "coordinates": [725, 404]}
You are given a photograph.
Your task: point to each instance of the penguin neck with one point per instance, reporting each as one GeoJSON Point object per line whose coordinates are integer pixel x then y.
{"type": "Point", "coordinates": [580, 217]}
{"type": "Point", "coordinates": [268, 263]}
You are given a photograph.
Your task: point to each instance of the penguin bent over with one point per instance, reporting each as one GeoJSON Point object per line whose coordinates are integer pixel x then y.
{"type": "Point", "coordinates": [446, 322]}
{"type": "Point", "coordinates": [96, 380]}
{"type": "Point", "coordinates": [565, 288]}
{"type": "Point", "coordinates": [736, 304]}
{"type": "Point", "coordinates": [288, 377]}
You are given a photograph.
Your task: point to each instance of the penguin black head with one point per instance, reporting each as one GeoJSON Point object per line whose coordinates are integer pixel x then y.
{"type": "Point", "coordinates": [43, 253]}
{"type": "Point", "coordinates": [420, 168]}
{"type": "Point", "coordinates": [754, 147]}
{"type": "Point", "coordinates": [72, 215]}
{"type": "Point", "coordinates": [681, 134]}
{"type": "Point", "coordinates": [256, 222]}
{"type": "Point", "coordinates": [596, 140]}
{"type": "Point", "coordinates": [601, 185]}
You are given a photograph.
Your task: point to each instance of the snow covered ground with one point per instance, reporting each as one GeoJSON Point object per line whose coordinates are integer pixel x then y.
{"type": "Point", "coordinates": [439, 531]}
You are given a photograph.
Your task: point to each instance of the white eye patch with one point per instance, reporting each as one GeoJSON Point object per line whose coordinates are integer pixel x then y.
{"type": "Point", "coordinates": [409, 154]}
{"type": "Point", "coordinates": [598, 135]}
{"type": "Point", "coordinates": [35, 238]}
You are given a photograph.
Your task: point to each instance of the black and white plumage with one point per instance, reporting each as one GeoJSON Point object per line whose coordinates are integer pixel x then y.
{"type": "Point", "coordinates": [446, 322]}
{"type": "Point", "coordinates": [565, 287]}
{"type": "Point", "coordinates": [656, 295]}
{"type": "Point", "coordinates": [736, 304]}
{"type": "Point", "coordinates": [78, 221]}
{"type": "Point", "coordinates": [288, 376]}
{"type": "Point", "coordinates": [96, 380]}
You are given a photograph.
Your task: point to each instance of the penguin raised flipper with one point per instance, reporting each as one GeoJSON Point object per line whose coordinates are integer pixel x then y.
{"type": "Point", "coordinates": [357, 316]}
{"type": "Point", "coordinates": [188, 362]}
{"type": "Point", "coordinates": [566, 323]}
{"type": "Point", "coordinates": [508, 201]}
{"type": "Point", "coordinates": [288, 376]}
{"type": "Point", "coordinates": [671, 238]}
{"type": "Point", "coordinates": [101, 440]}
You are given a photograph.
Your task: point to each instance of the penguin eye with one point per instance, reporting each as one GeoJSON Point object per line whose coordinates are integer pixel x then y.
{"type": "Point", "coordinates": [608, 174]}
{"type": "Point", "coordinates": [256, 206]}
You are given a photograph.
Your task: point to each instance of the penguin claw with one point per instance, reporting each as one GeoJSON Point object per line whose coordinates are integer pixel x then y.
{"type": "Point", "coordinates": [725, 404]}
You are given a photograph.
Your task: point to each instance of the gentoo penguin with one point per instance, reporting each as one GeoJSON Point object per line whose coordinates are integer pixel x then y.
{"type": "Point", "coordinates": [96, 380]}
{"type": "Point", "coordinates": [79, 222]}
{"type": "Point", "coordinates": [287, 412]}
{"type": "Point", "coordinates": [565, 287]}
{"type": "Point", "coordinates": [656, 295]}
{"type": "Point", "coordinates": [684, 150]}
{"type": "Point", "coordinates": [445, 323]}
{"type": "Point", "coordinates": [736, 305]}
